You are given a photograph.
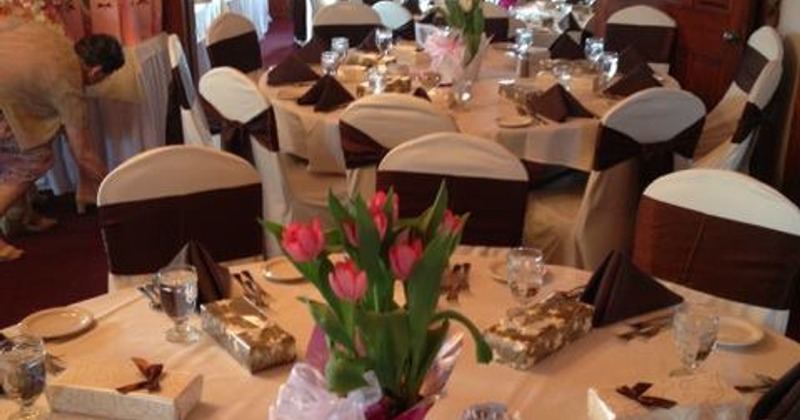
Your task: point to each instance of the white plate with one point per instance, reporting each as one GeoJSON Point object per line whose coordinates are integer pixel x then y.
{"type": "Point", "coordinates": [737, 332]}
{"type": "Point", "coordinates": [514, 121]}
{"type": "Point", "coordinates": [280, 269]}
{"type": "Point", "coordinates": [57, 322]}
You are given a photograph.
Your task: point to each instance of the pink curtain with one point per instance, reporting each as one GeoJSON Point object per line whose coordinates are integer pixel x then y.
{"type": "Point", "coordinates": [130, 21]}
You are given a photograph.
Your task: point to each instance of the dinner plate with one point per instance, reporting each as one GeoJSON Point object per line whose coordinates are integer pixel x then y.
{"type": "Point", "coordinates": [514, 121]}
{"type": "Point", "coordinates": [737, 332]}
{"type": "Point", "coordinates": [57, 322]}
{"type": "Point", "coordinates": [280, 269]}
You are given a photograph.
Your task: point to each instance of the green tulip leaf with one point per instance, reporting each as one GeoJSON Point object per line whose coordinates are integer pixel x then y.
{"type": "Point", "coordinates": [330, 322]}
{"type": "Point", "coordinates": [344, 374]}
{"type": "Point", "coordinates": [482, 350]}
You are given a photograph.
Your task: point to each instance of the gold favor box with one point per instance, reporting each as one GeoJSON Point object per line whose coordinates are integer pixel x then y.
{"type": "Point", "coordinates": [90, 390]}
{"type": "Point", "coordinates": [254, 341]}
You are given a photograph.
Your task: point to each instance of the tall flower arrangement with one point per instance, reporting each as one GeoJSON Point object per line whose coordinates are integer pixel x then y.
{"type": "Point", "coordinates": [467, 17]}
{"type": "Point", "coordinates": [367, 328]}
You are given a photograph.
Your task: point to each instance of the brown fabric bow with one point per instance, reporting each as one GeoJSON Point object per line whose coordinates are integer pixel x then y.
{"type": "Point", "coordinates": [152, 374]}
{"type": "Point", "coordinates": [359, 149]}
{"type": "Point", "coordinates": [752, 118]}
{"type": "Point", "coordinates": [177, 99]}
{"type": "Point", "coordinates": [636, 393]}
{"type": "Point", "coordinates": [614, 147]}
{"type": "Point", "coordinates": [236, 135]}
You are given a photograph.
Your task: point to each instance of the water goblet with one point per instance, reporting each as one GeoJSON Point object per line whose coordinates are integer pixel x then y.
{"type": "Point", "coordinates": [329, 60]}
{"type": "Point", "coordinates": [609, 62]}
{"type": "Point", "coordinates": [695, 328]}
{"type": "Point", "coordinates": [383, 40]}
{"type": "Point", "coordinates": [525, 273]}
{"type": "Point", "coordinates": [22, 361]}
{"type": "Point", "coordinates": [376, 79]}
{"type": "Point", "coordinates": [340, 45]}
{"type": "Point", "coordinates": [523, 40]}
{"type": "Point", "coordinates": [594, 50]}
{"type": "Point", "coordinates": [177, 288]}
{"type": "Point", "coordinates": [563, 72]}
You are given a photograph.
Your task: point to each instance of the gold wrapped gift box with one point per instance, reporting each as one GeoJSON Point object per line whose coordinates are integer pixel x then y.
{"type": "Point", "coordinates": [254, 341]}
{"type": "Point", "coordinates": [396, 84]}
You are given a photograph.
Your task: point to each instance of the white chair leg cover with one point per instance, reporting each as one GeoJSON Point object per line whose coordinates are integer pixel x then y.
{"type": "Point", "coordinates": [276, 208]}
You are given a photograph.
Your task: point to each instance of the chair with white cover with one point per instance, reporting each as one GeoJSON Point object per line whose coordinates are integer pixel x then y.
{"type": "Point", "coordinates": [395, 17]}
{"type": "Point", "coordinates": [650, 31]}
{"type": "Point", "coordinates": [644, 136]}
{"type": "Point", "coordinates": [732, 126]}
{"type": "Point", "coordinates": [355, 21]}
{"type": "Point", "coordinates": [375, 124]}
{"type": "Point", "coordinates": [186, 122]}
{"type": "Point", "coordinates": [231, 41]}
{"type": "Point", "coordinates": [726, 235]}
{"type": "Point", "coordinates": [483, 179]}
{"type": "Point", "coordinates": [496, 22]}
{"type": "Point", "coordinates": [154, 203]}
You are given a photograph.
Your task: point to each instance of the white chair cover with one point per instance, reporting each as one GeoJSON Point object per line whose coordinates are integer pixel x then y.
{"type": "Point", "coordinates": [645, 16]}
{"type": "Point", "coordinates": [243, 54]}
{"type": "Point", "coordinates": [717, 148]}
{"type": "Point", "coordinates": [725, 195]}
{"type": "Point", "coordinates": [348, 19]}
{"type": "Point", "coordinates": [193, 120]}
{"type": "Point", "coordinates": [497, 15]}
{"type": "Point", "coordinates": [392, 14]}
{"type": "Point", "coordinates": [409, 117]}
{"type": "Point", "coordinates": [578, 225]}
{"type": "Point", "coordinates": [257, 11]}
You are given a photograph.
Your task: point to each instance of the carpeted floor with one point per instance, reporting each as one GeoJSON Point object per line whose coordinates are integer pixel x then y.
{"type": "Point", "coordinates": [67, 263]}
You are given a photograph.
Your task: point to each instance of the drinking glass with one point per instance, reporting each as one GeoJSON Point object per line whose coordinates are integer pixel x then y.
{"type": "Point", "coordinates": [340, 45]}
{"type": "Point", "coordinates": [524, 40]}
{"type": "Point", "coordinates": [429, 79]}
{"type": "Point", "coordinates": [383, 40]}
{"type": "Point", "coordinates": [462, 92]}
{"type": "Point", "coordinates": [609, 62]}
{"type": "Point", "coordinates": [695, 328]}
{"type": "Point", "coordinates": [22, 360]}
{"type": "Point", "coordinates": [594, 50]}
{"type": "Point", "coordinates": [177, 287]}
{"type": "Point", "coordinates": [329, 60]}
{"type": "Point", "coordinates": [563, 72]}
{"type": "Point", "coordinates": [376, 80]}
{"type": "Point", "coordinates": [488, 411]}
{"type": "Point", "coordinates": [525, 273]}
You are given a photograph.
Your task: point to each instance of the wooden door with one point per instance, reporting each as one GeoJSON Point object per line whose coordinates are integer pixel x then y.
{"type": "Point", "coordinates": [711, 36]}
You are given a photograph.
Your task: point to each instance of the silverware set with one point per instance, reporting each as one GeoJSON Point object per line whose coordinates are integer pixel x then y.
{"type": "Point", "coordinates": [647, 328]}
{"type": "Point", "coordinates": [456, 281]}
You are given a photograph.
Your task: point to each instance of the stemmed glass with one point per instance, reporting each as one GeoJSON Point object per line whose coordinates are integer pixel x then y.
{"type": "Point", "coordinates": [594, 50]}
{"type": "Point", "coordinates": [525, 273]}
{"type": "Point", "coordinates": [523, 41]}
{"type": "Point", "coordinates": [177, 288]}
{"type": "Point", "coordinates": [22, 361]}
{"type": "Point", "coordinates": [383, 40]}
{"type": "Point", "coordinates": [329, 60]}
{"type": "Point", "coordinates": [695, 327]}
{"type": "Point", "coordinates": [563, 72]}
{"type": "Point", "coordinates": [340, 45]}
{"type": "Point", "coordinates": [609, 62]}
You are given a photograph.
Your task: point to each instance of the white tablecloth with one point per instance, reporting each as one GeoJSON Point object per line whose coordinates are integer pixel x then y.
{"type": "Point", "coordinates": [553, 389]}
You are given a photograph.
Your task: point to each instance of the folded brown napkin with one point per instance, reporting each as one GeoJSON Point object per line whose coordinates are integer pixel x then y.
{"type": "Point", "coordinates": [326, 94]}
{"type": "Point", "coordinates": [421, 93]}
{"type": "Point", "coordinates": [619, 290]}
{"type": "Point", "coordinates": [312, 51]}
{"type": "Point", "coordinates": [557, 104]}
{"type": "Point", "coordinates": [565, 47]}
{"type": "Point", "coordinates": [630, 59]}
{"type": "Point", "coordinates": [291, 70]}
{"type": "Point", "coordinates": [640, 78]}
{"type": "Point", "coordinates": [213, 280]}
{"type": "Point", "coordinates": [568, 23]}
{"type": "Point", "coordinates": [782, 401]}
{"type": "Point", "coordinates": [368, 43]}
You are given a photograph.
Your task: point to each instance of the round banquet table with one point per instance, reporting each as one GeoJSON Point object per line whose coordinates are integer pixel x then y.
{"type": "Point", "coordinates": [555, 388]}
{"type": "Point", "coordinates": [314, 136]}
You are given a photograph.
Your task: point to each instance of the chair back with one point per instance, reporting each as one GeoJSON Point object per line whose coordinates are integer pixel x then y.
{"type": "Point", "coordinates": [641, 138]}
{"type": "Point", "coordinates": [732, 126]}
{"type": "Point", "coordinates": [348, 19]}
{"type": "Point", "coordinates": [232, 41]}
{"type": "Point", "coordinates": [392, 15]}
{"type": "Point", "coordinates": [727, 235]}
{"type": "Point", "coordinates": [366, 140]}
{"type": "Point", "coordinates": [186, 121]}
{"type": "Point", "coordinates": [649, 30]}
{"type": "Point", "coordinates": [482, 177]}
{"type": "Point", "coordinates": [496, 22]}
{"type": "Point", "coordinates": [158, 200]}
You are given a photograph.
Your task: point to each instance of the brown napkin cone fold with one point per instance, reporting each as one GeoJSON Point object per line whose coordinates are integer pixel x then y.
{"type": "Point", "coordinates": [568, 23]}
{"type": "Point", "coordinates": [421, 93]}
{"type": "Point", "coordinates": [619, 290]}
{"type": "Point", "coordinates": [311, 53]}
{"type": "Point", "coordinates": [630, 59]}
{"type": "Point", "coordinates": [566, 47]}
{"type": "Point", "coordinates": [557, 104]}
{"type": "Point", "coordinates": [640, 78]}
{"type": "Point", "coordinates": [782, 401]}
{"type": "Point", "coordinates": [326, 94]}
{"type": "Point", "coordinates": [291, 70]}
{"type": "Point", "coordinates": [368, 43]}
{"type": "Point", "coordinates": [213, 280]}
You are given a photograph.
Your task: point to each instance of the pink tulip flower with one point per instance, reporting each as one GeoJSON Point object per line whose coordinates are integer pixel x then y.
{"type": "Point", "coordinates": [350, 233]}
{"type": "Point", "coordinates": [348, 282]}
{"type": "Point", "coordinates": [381, 223]}
{"type": "Point", "coordinates": [303, 242]}
{"type": "Point", "coordinates": [378, 202]}
{"type": "Point", "coordinates": [451, 222]}
{"type": "Point", "coordinates": [403, 255]}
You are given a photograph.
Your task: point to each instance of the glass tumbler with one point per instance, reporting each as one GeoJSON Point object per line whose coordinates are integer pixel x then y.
{"type": "Point", "coordinates": [177, 288]}
{"type": "Point", "coordinates": [22, 361]}
{"type": "Point", "coordinates": [695, 328]}
{"type": "Point", "coordinates": [525, 273]}
{"type": "Point", "coordinates": [329, 60]}
{"type": "Point", "coordinates": [523, 41]}
{"type": "Point", "coordinates": [593, 49]}
{"type": "Point", "coordinates": [340, 45]}
{"type": "Point", "coordinates": [383, 40]}
{"type": "Point", "coordinates": [609, 62]}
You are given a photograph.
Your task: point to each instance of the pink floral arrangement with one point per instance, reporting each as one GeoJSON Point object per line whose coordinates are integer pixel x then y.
{"type": "Point", "coordinates": [507, 4]}
{"type": "Point", "coordinates": [366, 329]}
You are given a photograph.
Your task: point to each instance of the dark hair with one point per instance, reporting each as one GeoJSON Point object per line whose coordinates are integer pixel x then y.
{"type": "Point", "coordinates": [100, 50]}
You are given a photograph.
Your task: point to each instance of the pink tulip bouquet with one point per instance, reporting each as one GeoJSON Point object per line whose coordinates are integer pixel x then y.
{"type": "Point", "coordinates": [366, 328]}
{"type": "Point", "coordinates": [467, 17]}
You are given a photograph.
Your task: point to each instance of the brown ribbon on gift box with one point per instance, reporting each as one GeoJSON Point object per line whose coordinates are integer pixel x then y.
{"type": "Point", "coordinates": [152, 377]}
{"type": "Point", "coordinates": [637, 391]}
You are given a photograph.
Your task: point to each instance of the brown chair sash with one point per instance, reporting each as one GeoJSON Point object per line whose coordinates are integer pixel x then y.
{"type": "Point", "coordinates": [143, 236]}
{"type": "Point", "coordinates": [354, 33]}
{"type": "Point", "coordinates": [176, 99]}
{"type": "Point", "coordinates": [241, 52]}
{"type": "Point", "coordinates": [541, 174]}
{"type": "Point", "coordinates": [749, 68]}
{"type": "Point", "coordinates": [752, 118]}
{"type": "Point", "coordinates": [497, 28]}
{"type": "Point", "coordinates": [653, 42]}
{"type": "Point", "coordinates": [733, 260]}
{"type": "Point", "coordinates": [496, 207]}
{"type": "Point", "coordinates": [614, 147]}
{"type": "Point", "coordinates": [236, 135]}
{"type": "Point", "coordinates": [359, 148]}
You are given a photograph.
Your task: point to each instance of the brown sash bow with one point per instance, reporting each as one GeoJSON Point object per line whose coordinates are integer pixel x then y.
{"type": "Point", "coordinates": [752, 118]}
{"type": "Point", "coordinates": [176, 100]}
{"type": "Point", "coordinates": [359, 148]}
{"type": "Point", "coordinates": [614, 147]}
{"type": "Point", "coordinates": [750, 68]}
{"type": "Point", "coordinates": [152, 377]}
{"type": "Point", "coordinates": [236, 135]}
{"type": "Point", "coordinates": [653, 42]}
{"type": "Point", "coordinates": [637, 391]}
{"type": "Point", "coordinates": [240, 52]}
